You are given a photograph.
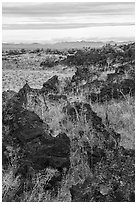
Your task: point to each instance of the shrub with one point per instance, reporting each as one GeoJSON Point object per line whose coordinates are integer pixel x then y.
{"type": "Point", "coordinates": [49, 62]}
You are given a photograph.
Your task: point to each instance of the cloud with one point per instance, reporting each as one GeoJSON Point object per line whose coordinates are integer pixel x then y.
{"type": "Point", "coordinates": [23, 20]}
{"type": "Point", "coordinates": [66, 15]}
{"type": "Point", "coordinates": [55, 35]}
{"type": "Point", "coordinates": [56, 9]}
{"type": "Point", "coordinates": [59, 26]}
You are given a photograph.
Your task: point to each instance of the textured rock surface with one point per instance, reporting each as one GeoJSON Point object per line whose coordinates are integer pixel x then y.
{"type": "Point", "coordinates": [56, 97]}
{"type": "Point", "coordinates": [115, 85]}
{"type": "Point", "coordinates": [113, 180]}
{"type": "Point", "coordinates": [27, 129]}
{"type": "Point", "coordinates": [51, 85]}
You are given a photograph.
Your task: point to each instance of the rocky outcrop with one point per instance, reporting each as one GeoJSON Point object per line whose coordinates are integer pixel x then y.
{"type": "Point", "coordinates": [113, 90]}
{"type": "Point", "coordinates": [24, 125]}
{"type": "Point", "coordinates": [53, 152]}
{"type": "Point", "coordinates": [106, 139]}
{"type": "Point", "coordinates": [127, 86]}
{"type": "Point", "coordinates": [110, 181]}
{"type": "Point", "coordinates": [115, 86]}
{"type": "Point", "coordinates": [28, 131]}
{"type": "Point", "coordinates": [117, 91]}
{"type": "Point", "coordinates": [51, 86]}
{"type": "Point", "coordinates": [80, 74]}
{"type": "Point", "coordinates": [31, 99]}
{"type": "Point", "coordinates": [107, 160]}
{"type": "Point", "coordinates": [6, 95]}
{"type": "Point", "coordinates": [76, 109]}
{"type": "Point", "coordinates": [35, 99]}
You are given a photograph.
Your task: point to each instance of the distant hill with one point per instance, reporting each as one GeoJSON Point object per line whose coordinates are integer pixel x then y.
{"type": "Point", "coordinates": [78, 44]}
{"type": "Point", "coordinates": [59, 45]}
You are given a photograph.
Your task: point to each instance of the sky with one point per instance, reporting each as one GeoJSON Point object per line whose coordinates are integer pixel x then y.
{"type": "Point", "coordinates": [71, 21]}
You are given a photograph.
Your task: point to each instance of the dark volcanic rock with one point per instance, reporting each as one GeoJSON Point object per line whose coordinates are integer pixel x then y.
{"type": "Point", "coordinates": [27, 130]}
{"type": "Point", "coordinates": [109, 92]}
{"type": "Point", "coordinates": [117, 91]}
{"type": "Point", "coordinates": [6, 95]}
{"type": "Point", "coordinates": [53, 184]}
{"type": "Point", "coordinates": [28, 98]}
{"type": "Point", "coordinates": [113, 181]}
{"type": "Point", "coordinates": [31, 99]}
{"type": "Point", "coordinates": [53, 152]}
{"type": "Point", "coordinates": [82, 192]}
{"type": "Point", "coordinates": [127, 86]}
{"type": "Point", "coordinates": [51, 86]}
{"type": "Point", "coordinates": [22, 94]}
{"type": "Point", "coordinates": [41, 149]}
{"type": "Point", "coordinates": [106, 140]}
{"type": "Point", "coordinates": [56, 98]}
{"type": "Point", "coordinates": [23, 124]}
{"type": "Point", "coordinates": [75, 110]}
{"type": "Point", "coordinates": [80, 74]}
{"type": "Point", "coordinates": [115, 87]}
{"type": "Point", "coordinates": [71, 112]}
{"type": "Point", "coordinates": [26, 125]}
{"type": "Point", "coordinates": [114, 90]}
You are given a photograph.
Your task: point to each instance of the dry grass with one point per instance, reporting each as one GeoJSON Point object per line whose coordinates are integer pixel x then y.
{"type": "Point", "coordinates": [53, 117]}
{"type": "Point", "coordinates": [78, 172]}
{"type": "Point", "coordinates": [79, 169]}
{"type": "Point", "coordinates": [121, 118]}
{"type": "Point", "coordinates": [15, 79]}
{"type": "Point", "coordinates": [37, 193]}
{"type": "Point", "coordinates": [121, 115]}
{"type": "Point", "coordinates": [10, 184]}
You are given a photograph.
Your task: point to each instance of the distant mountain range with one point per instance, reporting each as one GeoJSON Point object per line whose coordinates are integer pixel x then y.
{"type": "Point", "coordinates": [60, 45]}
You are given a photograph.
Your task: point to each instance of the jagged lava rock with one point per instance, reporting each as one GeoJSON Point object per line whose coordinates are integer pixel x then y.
{"type": "Point", "coordinates": [51, 86]}
{"type": "Point", "coordinates": [6, 95]}
{"type": "Point", "coordinates": [27, 130]}
{"type": "Point", "coordinates": [32, 100]}
{"type": "Point", "coordinates": [53, 152]}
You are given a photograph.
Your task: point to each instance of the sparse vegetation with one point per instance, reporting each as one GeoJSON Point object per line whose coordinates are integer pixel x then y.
{"type": "Point", "coordinates": [70, 137]}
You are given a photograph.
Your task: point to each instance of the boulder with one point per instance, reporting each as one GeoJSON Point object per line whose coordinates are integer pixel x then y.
{"type": "Point", "coordinates": [109, 92]}
{"type": "Point", "coordinates": [28, 131]}
{"type": "Point", "coordinates": [23, 126]}
{"type": "Point", "coordinates": [32, 99]}
{"type": "Point", "coordinates": [28, 98]}
{"type": "Point", "coordinates": [22, 94]}
{"type": "Point", "coordinates": [70, 111]}
{"type": "Point", "coordinates": [127, 86]}
{"type": "Point", "coordinates": [53, 152]}
{"type": "Point", "coordinates": [108, 139]}
{"type": "Point", "coordinates": [117, 90]}
{"type": "Point", "coordinates": [40, 148]}
{"type": "Point", "coordinates": [76, 109]}
{"type": "Point", "coordinates": [80, 74]}
{"type": "Point", "coordinates": [51, 86]}
{"type": "Point", "coordinates": [82, 192]}
{"type": "Point", "coordinates": [112, 180]}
